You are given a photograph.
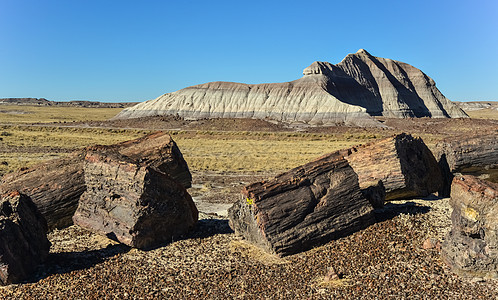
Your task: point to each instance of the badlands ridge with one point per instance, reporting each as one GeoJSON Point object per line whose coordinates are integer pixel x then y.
{"type": "Point", "coordinates": [352, 92]}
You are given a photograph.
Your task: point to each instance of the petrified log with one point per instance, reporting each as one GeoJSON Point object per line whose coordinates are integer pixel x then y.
{"type": "Point", "coordinates": [56, 186]}
{"type": "Point", "coordinates": [467, 152]}
{"type": "Point", "coordinates": [304, 207]}
{"type": "Point", "coordinates": [23, 238]}
{"type": "Point", "coordinates": [157, 150]}
{"type": "Point", "coordinates": [133, 203]}
{"type": "Point", "coordinates": [403, 163]}
{"type": "Point", "coordinates": [471, 247]}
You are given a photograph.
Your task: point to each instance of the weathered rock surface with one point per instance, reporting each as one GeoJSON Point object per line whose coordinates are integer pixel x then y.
{"type": "Point", "coordinates": [352, 91]}
{"type": "Point", "coordinates": [304, 207]}
{"type": "Point", "coordinates": [56, 186]}
{"type": "Point", "coordinates": [468, 151]}
{"type": "Point", "coordinates": [23, 238]}
{"type": "Point", "coordinates": [133, 202]}
{"type": "Point", "coordinates": [477, 105]}
{"type": "Point", "coordinates": [471, 247]}
{"type": "Point", "coordinates": [157, 150]}
{"type": "Point", "coordinates": [403, 163]}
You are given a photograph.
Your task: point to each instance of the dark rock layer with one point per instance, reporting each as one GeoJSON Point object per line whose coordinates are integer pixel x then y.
{"type": "Point", "coordinates": [23, 238]}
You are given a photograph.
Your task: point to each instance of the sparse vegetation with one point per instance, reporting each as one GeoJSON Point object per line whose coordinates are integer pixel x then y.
{"type": "Point", "coordinates": [19, 114]}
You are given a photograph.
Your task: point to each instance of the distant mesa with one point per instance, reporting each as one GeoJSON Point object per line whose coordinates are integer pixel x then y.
{"type": "Point", "coordinates": [73, 103]}
{"type": "Point", "coordinates": [353, 91]}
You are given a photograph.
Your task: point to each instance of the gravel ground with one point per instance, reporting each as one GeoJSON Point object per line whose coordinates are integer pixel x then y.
{"type": "Point", "coordinates": [386, 260]}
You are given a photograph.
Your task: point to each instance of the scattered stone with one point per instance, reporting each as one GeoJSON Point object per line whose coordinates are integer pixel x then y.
{"type": "Point", "coordinates": [403, 163]}
{"type": "Point", "coordinates": [23, 238]}
{"type": "Point", "coordinates": [133, 202]}
{"type": "Point", "coordinates": [331, 274]}
{"type": "Point", "coordinates": [431, 243]}
{"type": "Point", "coordinates": [304, 207]}
{"type": "Point", "coordinates": [471, 247]}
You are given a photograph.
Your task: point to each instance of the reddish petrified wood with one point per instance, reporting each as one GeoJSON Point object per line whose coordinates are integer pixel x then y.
{"type": "Point", "coordinates": [23, 238]}
{"type": "Point", "coordinates": [133, 203]}
{"type": "Point", "coordinates": [157, 150]}
{"type": "Point", "coordinates": [304, 207]}
{"type": "Point", "coordinates": [471, 247]}
{"type": "Point", "coordinates": [403, 163]}
{"type": "Point", "coordinates": [54, 186]}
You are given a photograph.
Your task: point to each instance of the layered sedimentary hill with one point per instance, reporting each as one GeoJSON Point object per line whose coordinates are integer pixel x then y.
{"type": "Point", "coordinates": [352, 91]}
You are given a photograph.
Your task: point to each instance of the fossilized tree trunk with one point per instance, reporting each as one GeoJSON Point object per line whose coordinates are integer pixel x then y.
{"type": "Point", "coordinates": [403, 163]}
{"type": "Point", "coordinates": [471, 247]}
{"type": "Point", "coordinates": [304, 207]}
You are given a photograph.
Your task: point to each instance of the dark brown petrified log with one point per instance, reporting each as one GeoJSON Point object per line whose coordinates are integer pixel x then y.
{"type": "Point", "coordinates": [133, 202]}
{"type": "Point", "coordinates": [471, 154]}
{"type": "Point", "coordinates": [304, 207]}
{"type": "Point", "coordinates": [471, 247]}
{"type": "Point", "coordinates": [23, 238]}
{"type": "Point", "coordinates": [403, 163]}
{"type": "Point", "coordinates": [469, 151]}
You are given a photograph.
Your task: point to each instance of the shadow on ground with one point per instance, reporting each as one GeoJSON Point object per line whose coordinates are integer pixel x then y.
{"type": "Point", "coordinates": [394, 209]}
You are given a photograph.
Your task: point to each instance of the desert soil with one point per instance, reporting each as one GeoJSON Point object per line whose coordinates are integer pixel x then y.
{"type": "Point", "coordinates": [386, 260]}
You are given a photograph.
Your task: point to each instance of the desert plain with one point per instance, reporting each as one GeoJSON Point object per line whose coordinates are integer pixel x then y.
{"type": "Point", "coordinates": [397, 257]}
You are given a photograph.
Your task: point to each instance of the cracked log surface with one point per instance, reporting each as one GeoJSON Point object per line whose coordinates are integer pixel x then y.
{"type": "Point", "coordinates": [54, 186]}
{"type": "Point", "coordinates": [467, 152]}
{"type": "Point", "coordinates": [304, 207]}
{"type": "Point", "coordinates": [133, 203]}
{"type": "Point", "coordinates": [404, 164]}
{"type": "Point", "coordinates": [471, 247]}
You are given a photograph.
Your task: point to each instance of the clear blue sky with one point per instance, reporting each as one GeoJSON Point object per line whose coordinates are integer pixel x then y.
{"type": "Point", "coordinates": [138, 50]}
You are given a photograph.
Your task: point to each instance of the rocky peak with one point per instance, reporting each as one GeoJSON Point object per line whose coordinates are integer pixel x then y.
{"type": "Point", "coordinates": [350, 92]}
{"type": "Point", "coordinates": [317, 67]}
{"type": "Point", "coordinates": [363, 52]}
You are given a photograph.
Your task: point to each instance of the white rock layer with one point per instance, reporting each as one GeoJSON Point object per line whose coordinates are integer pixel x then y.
{"type": "Point", "coordinates": [358, 87]}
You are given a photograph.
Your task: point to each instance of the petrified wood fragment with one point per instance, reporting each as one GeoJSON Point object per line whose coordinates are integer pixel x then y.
{"type": "Point", "coordinates": [133, 203]}
{"type": "Point", "coordinates": [23, 238]}
{"type": "Point", "coordinates": [403, 163]}
{"type": "Point", "coordinates": [467, 152]}
{"type": "Point", "coordinates": [54, 186]}
{"type": "Point", "coordinates": [157, 150]}
{"type": "Point", "coordinates": [304, 207]}
{"type": "Point", "coordinates": [471, 247]}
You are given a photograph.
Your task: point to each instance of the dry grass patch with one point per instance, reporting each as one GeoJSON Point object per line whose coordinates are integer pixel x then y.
{"type": "Point", "coordinates": [488, 113]}
{"type": "Point", "coordinates": [19, 114]}
{"type": "Point", "coordinates": [64, 137]}
{"type": "Point", "coordinates": [251, 153]}
{"type": "Point", "coordinates": [252, 252]}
